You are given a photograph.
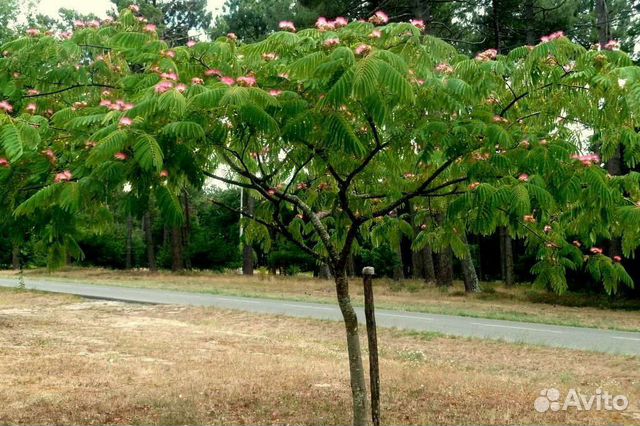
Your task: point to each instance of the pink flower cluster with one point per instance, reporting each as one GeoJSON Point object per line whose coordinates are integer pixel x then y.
{"type": "Point", "coordinates": [270, 56]}
{"type": "Point", "coordinates": [4, 163]}
{"type": "Point", "coordinates": [523, 177]}
{"type": "Point", "coordinates": [487, 55]}
{"type": "Point", "coordinates": [31, 108]}
{"type": "Point", "coordinates": [331, 42]}
{"type": "Point", "coordinates": [169, 76]}
{"type": "Point", "coordinates": [150, 28]}
{"type": "Point", "coordinates": [379, 18]}
{"type": "Point", "coordinates": [596, 250]}
{"type": "Point", "coordinates": [64, 176]}
{"type": "Point", "coordinates": [275, 92]}
{"type": "Point", "coordinates": [191, 43]}
{"type": "Point", "coordinates": [287, 26]}
{"type": "Point", "coordinates": [612, 45]}
{"type": "Point", "coordinates": [444, 68]}
{"type": "Point", "coordinates": [588, 159]}
{"type": "Point", "coordinates": [6, 106]}
{"type": "Point", "coordinates": [363, 49]}
{"type": "Point", "coordinates": [163, 86]}
{"type": "Point", "coordinates": [197, 80]}
{"type": "Point", "coordinates": [418, 23]}
{"type": "Point", "coordinates": [86, 24]}
{"type": "Point", "coordinates": [125, 122]}
{"type": "Point", "coordinates": [247, 81]}
{"type": "Point", "coordinates": [118, 105]}
{"type": "Point", "coordinates": [323, 25]}
{"type": "Point", "coordinates": [551, 37]}
{"type": "Point", "coordinates": [33, 32]}
{"type": "Point", "coordinates": [375, 34]}
{"type": "Point", "coordinates": [120, 156]}
{"type": "Point", "coordinates": [212, 72]}
{"type": "Point", "coordinates": [51, 156]}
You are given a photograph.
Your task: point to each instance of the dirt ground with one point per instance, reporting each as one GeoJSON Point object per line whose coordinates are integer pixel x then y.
{"type": "Point", "coordinates": [498, 301]}
{"type": "Point", "coordinates": [65, 360]}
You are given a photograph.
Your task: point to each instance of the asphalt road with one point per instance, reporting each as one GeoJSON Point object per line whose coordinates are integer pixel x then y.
{"type": "Point", "coordinates": [617, 342]}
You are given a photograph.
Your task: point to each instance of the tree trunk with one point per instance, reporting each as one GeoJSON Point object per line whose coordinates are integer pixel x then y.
{"type": "Point", "coordinates": [148, 238]}
{"type": "Point", "coordinates": [15, 256]}
{"type": "Point", "coordinates": [497, 39]}
{"type": "Point", "coordinates": [356, 369]}
{"type": "Point", "coordinates": [471, 284]}
{"type": "Point", "coordinates": [398, 269]}
{"type": "Point", "coordinates": [508, 274]}
{"type": "Point", "coordinates": [128, 257]}
{"type": "Point", "coordinates": [445, 268]}
{"type": "Point", "coordinates": [351, 266]}
{"type": "Point", "coordinates": [177, 262]}
{"type": "Point", "coordinates": [247, 251]}
{"type": "Point", "coordinates": [529, 21]}
{"type": "Point", "coordinates": [186, 232]}
{"type": "Point", "coordinates": [602, 22]}
{"type": "Point", "coordinates": [372, 339]}
{"type": "Point", "coordinates": [324, 273]}
{"type": "Point", "coordinates": [429, 267]}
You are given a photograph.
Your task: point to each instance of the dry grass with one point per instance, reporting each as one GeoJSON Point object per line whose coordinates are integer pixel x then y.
{"type": "Point", "coordinates": [68, 361]}
{"type": "Point", "coordinates": [501, 303]}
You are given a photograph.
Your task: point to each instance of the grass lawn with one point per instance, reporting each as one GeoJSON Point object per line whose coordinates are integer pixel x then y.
{"type": "Point", "coordinates": [519, 303]}
{"type": "Point", "coordinates": [65, 360]}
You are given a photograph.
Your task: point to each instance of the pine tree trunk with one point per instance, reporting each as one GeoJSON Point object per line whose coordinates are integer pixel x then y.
{"type": "Point", "coordinates": [471, 284]}
{"type": "Point", "coordinates": [129, 256]}
{"type": "Point", "coordinates": [602, 22]}
{"type": "Point", "coordinates": [356, 369]}
{"type": "Point", "coordinates": [148, 238]}
{"type": "Point", "coordinates": [15, 256]}
{"type": "Point", "coordinates": [247, 251]}
{"type": "Point", "coordinates": [177, 263]}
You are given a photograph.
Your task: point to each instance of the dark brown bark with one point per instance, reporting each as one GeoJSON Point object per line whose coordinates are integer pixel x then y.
{"type": "Point", "coordinates": [15, 256]}
{"type": "Point", "coordinates": [445, 268]}
{"type": "Point", "coordinates": [351, 266]}
{"type": "Point", "coordinates": [148, 238]}
{"type": "Point", "coordinates": [529, 21]}
{"type": "Point", "coordinates": [129, 255]}
{"type": "Point", "coordinates": [602, 22]}
{"type": "Point", "coordinates": [177, 261]}
{"type": "Point", "coordinates": [247, 251]}
{"type": "Point", "coordinates": [324, 273]}
{"type": "Point", "coordinates": [497, 39]}
{"type": "Point", "coordinates": [398, 269]}
{"type": "Point", "coordinates": [372, 338]}
{"type": "Point", "coordinates": [356, 369]}
{"type": "Point", "coordinates": [429, 266]}
{"type": "Point", "coordinates": [508, 275]}
{"type": "Point", "coordinates": [471, 284]}
{"type": "Point", "coordinates": [186, 231]}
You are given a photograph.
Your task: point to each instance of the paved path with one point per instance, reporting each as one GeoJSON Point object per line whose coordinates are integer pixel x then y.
{"type": "Point", "coordinates": [619, 342]}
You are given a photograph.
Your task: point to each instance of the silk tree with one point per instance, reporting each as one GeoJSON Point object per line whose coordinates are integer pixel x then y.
{"type": "Point", "coordinates": [334, 129]}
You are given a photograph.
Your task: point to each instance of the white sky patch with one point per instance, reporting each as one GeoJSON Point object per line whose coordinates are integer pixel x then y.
{"type": "Point", "coordinates": [99, 7]}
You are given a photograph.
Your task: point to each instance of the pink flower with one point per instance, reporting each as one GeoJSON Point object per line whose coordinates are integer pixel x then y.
{"type": "Point", "coordinates": [181, 87]}
{"type": "Point", "coordinates": [65, 176]}
{"type": "Point", "coordinates": [4, 163]}
{"type": "Point", "coordinates": [170, 54]}
{"type": "Point", "coordinates": [529, 218]}
{"type": "Point", "coordinates": [275, 92]}
{"type": "Point", "coordinates": [120, 156]}
{"type": "Point", "coordinates": [6, 106]}
{"type": "Point", "coordinates": [134, 8]}
{"type": "Point", "coordinates": [331, 42]}
{"type": "Point", "coordinates": [213, 72]}
{"type": "Point", "coordinates": [269, 56]}
{"type": "Point", "coordinates": [552, 36]}
{"type": "Point", "coordinates": [33, 32]}
{"type": "Point", "coordinates": [150, 28]}
{"type": "Point", "coordinates": [323, 25]}
{"type": "Point", "coordinates": [617, 259]}
{"type": "Point", "coordinates": [197, 80]}
{"type": "Point", "coordinates": [164, 173]}
{"type": "Point", "coordinates": [90, 144]}
{"type": "Point", "coordinates": [50, 155]}
{"type": "Point", "coordinates": [547, 229]}
{"type": "Point", "coordinates": [587, 160]}
{"type": "Point", "coordinates": [340, 22]}
{"type": "Point", "coordinates": [595, 250]}
{"type": "Point", "coordinates": [191, 43]}
{"type": "Point", "coordinates": [93, 24]}
{"type": "Point", "coordinates": [418, 23]}
{"type": "Point", "coordinates": [379, 18]}
{"type": "Point", "coordinates": [66, 35]}
{"type": "Point", "coordinates": [125, 122]}
{"type": "Point", "coordinates": [229, 81]}
{"type": "Point", "coordinates": [169, 76]}
{"type": "Point", "coordinates": [163, 86]}
{"type": "Point", "coordinates": [523, 177]}
{"type": "Point", "coordinates": [487, 55]}
{"type": "Point", "coordinates": [612, 45]}
{"type": "Point", "coordinates": [498, 119]}
{"type": "Point", "coordinates": [105, 103]}
{"type": "Point", "coordinates": [232, 36]}
{"type": "Point", "coordinates": [127, 106]}
{"type": "Point", "coordinates": [363, 49]}
{"type": "Point", "coordinates": [287, 26]}
{"type": "Point", "coordinates": [375, 34]}
{"type": "Point", "coordinates": [444, 68]}
{"type": "Point", "coordinates": [474, 185]}
{"type": "Point", "coordinates": [247, 81]}
{"type": "Point", "coordinates": [31, 108]}
{"type": "Point", "coordinates": [79, 24]}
